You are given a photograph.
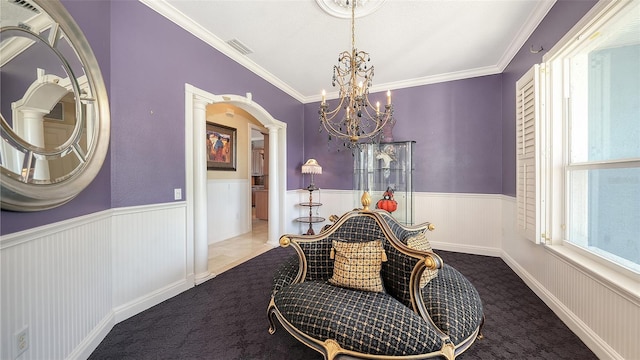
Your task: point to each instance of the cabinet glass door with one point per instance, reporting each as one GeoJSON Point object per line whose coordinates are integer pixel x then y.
{"type": "Point", "coordinates": [386, 166]}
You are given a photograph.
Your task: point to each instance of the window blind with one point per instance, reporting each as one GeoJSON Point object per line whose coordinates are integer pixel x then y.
{"type": "Point", "coordinates": [527, 144]}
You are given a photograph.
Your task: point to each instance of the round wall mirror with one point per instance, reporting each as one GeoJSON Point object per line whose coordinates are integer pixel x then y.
{"type": "Point", "coordinates": [54, 106]}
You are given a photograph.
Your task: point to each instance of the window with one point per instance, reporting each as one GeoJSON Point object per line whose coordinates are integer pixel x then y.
{"type": "Point", "coordinates": [591, 128]}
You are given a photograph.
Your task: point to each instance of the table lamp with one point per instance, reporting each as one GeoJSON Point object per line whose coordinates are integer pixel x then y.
{"type": "Point", "coordinates": [312, 167]}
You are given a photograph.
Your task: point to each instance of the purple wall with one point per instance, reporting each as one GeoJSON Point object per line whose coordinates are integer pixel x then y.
{"type": "Point", "coordinates": [337, 167]}
{"type": "Point", "coordinates": [146, 61]}
{"type": "Point", "coordinates": [152, 59]}
{"type": "Point", "coordinates": [464, 130]}
{"type": "Point", "coordinates": [457, 129]}
{"type": "Point", "coordinates": [560, 19]}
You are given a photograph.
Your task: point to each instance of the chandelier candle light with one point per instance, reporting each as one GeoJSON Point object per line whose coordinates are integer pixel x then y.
{"type": "Point", "coordinates": [359, 120]}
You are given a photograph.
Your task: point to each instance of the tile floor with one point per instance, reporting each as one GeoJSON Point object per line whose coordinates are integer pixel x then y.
{"type": "Point", "coordinates": [226, 254]}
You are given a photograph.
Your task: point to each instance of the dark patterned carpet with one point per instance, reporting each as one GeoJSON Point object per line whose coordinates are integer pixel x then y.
{"type": "Point", "coordinates": [226, 318]}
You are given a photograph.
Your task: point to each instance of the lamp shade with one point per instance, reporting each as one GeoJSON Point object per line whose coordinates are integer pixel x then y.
{"type": "Point", "coordinates": [311, 167]}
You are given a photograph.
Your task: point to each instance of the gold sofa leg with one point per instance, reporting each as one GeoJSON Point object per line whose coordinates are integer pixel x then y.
{"type": "Point", "coordinates": [270, 315]}
{"type": "Point", "coordinates": [449, 351]}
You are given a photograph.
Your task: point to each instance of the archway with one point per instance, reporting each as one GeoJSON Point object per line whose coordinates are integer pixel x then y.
{"type": "Point", "coordinates": [196, 101]}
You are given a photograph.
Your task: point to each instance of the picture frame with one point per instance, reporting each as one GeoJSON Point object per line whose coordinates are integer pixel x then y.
{"type": "Point", "coordinates": [221, 147]}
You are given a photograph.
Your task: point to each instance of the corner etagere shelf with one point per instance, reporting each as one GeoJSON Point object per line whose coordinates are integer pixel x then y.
{"type": "Point", "coordinates": [310, 219]}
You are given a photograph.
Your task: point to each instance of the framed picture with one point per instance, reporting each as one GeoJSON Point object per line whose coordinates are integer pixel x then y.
{"type": "Point", "coordinates": [221, 147]}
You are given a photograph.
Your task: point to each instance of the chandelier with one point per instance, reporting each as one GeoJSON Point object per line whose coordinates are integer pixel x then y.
{"type": "Point", "coordinates": [355, 119]}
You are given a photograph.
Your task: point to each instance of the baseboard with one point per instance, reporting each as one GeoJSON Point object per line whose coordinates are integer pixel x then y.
{"type": "Point", "coordinates": [591, 339]}
{"type": "Point", "coordinates": [140, 304]}
{"type": "Point", "coordinates": [467, 249]}
{"type": "Point", "coordinates": [95, 337]}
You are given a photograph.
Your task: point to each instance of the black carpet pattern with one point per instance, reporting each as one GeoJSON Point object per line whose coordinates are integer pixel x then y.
{"type": "Point", "coordinates": [226, 318]}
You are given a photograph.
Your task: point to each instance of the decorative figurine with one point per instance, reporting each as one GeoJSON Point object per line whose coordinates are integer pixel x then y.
{"type": "Point", "coordinates": [387, 155]}
{"type": "Point", "coordinates": [387, 202]}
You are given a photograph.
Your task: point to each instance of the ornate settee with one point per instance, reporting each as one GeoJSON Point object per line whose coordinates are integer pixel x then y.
{"type": "Point", "coordinates": [363, 288]}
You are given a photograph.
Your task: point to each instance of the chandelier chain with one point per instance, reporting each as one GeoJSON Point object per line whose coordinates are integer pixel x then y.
{"type": "Point", "coordinates": [353, 25]}
{"type": "Point", "coordinates": [358, 122]}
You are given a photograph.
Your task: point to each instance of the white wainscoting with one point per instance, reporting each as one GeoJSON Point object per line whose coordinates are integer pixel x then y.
{"type": "Point", "coordinates": [56, 280]}
{"type": "Point", "coordinates": [71, 281]}
{"type": "Point", "coordinates": [150, 260]}
{"type": "Point", "coordinates": [468, 223]}
{"type": "Point", "coordinates": [229, 208]}
{"type": "Point", "coordinates": [605, 316]}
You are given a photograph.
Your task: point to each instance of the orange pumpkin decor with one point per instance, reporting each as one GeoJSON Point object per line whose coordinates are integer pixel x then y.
{"type": "Point", "coordinates": [387, 202]}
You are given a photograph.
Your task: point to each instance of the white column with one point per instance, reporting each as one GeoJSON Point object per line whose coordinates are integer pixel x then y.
{"type": "Point", "coordinates": [274, 181]}
{"type": "Point", "coordinates": [90, 122]}
{"type": "Point", "coordinates": [32, 131]}
{"type": "Point", "coordinates": [11, 157]}
{"type": "Point", "coordinates": [282, 184]}
{"type": "Point", "coordinates": [201, 243]}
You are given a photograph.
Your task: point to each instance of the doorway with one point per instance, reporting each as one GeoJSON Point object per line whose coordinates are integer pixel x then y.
{"type": "Point", "coordinates": [259, 175]}
{"type": "Point", "coordinates": [196, 101]}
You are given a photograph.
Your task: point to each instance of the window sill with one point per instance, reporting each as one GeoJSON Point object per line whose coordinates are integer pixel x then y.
{"type": "Point", "coordinates": [624, 282]}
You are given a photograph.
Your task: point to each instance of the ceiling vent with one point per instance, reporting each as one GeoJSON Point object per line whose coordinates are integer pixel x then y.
{"type": "Point", "coordinates": [242, 48]}
{"type": "Point", "coordinates": [26, 5]}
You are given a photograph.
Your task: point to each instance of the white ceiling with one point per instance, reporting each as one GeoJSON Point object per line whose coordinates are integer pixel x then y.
{"type": "Point", "coordinates": [295, 43]}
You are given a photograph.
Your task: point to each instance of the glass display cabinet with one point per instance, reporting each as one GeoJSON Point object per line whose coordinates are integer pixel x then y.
{"type": "Point", "coordinates": [386, 171]}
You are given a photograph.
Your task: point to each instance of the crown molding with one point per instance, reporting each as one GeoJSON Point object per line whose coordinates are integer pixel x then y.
{"type": "Point", "coordinates": [445, 77]}
{"type": "Point", "coordinates": [165, 9]}
{"type": "Point", "coordinates": [426, 80]}
{"type": "Point", "coordinates": [528, 27]}
{"type": "Point", "coordinates": [171, 13]}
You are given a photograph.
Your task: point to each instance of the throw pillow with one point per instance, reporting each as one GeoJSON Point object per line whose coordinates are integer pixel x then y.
{"type": "Point", "coordinates": [357, 265]}
{"type": "Point", "coordinates": [420, 242]}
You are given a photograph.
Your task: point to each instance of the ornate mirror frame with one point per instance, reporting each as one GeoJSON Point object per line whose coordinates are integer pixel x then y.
{"type": "Point", "coordinates": [65, 82]}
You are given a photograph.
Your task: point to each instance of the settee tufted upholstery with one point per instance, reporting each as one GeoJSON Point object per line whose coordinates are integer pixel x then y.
{"type": "Point", "coordinates": [453, 304]}
{"type": "Point", "coordinates": [405, 321]}
{"type": "Point", "coordinates": [361, 321]}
